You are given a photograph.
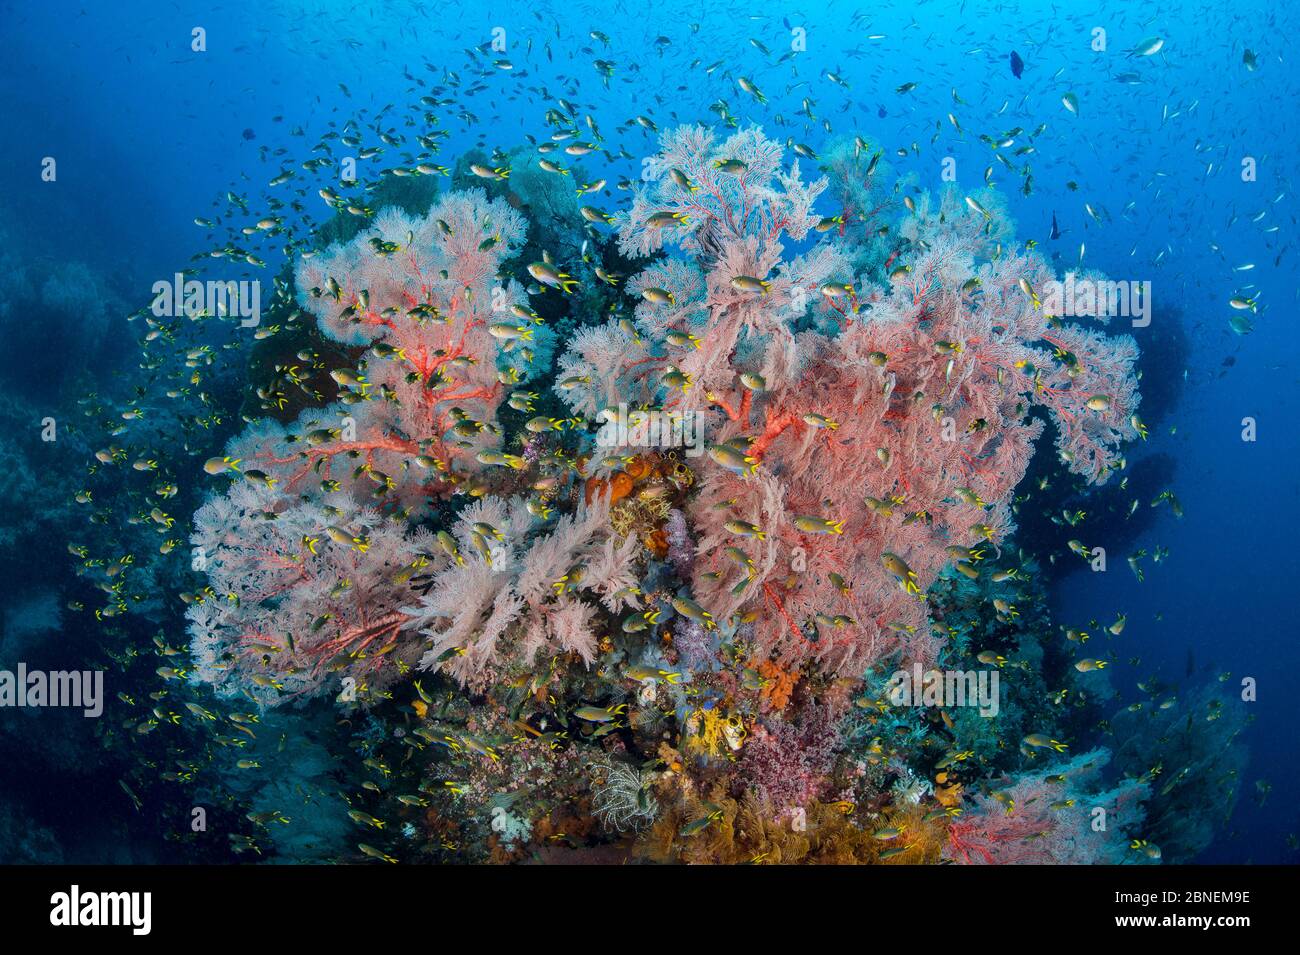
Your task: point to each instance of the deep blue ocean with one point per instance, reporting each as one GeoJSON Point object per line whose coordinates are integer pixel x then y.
{"type": "Point", "coordinates": [1147, 181]}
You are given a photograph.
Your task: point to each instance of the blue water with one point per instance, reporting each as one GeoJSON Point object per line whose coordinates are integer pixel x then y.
{"type": "Point", "coordinates": [148, 134]}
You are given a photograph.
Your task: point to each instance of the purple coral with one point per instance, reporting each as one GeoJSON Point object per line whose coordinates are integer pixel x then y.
{"type": "Point", "coordinates": [693, 643]}
{"type": "Point", "coordinates": [681, 547]}
{"type": "Point", "coordinates": [786, 762]}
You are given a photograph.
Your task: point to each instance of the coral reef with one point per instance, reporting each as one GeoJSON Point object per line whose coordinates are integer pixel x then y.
{"type": "Point", "coordinates": [651, 599]}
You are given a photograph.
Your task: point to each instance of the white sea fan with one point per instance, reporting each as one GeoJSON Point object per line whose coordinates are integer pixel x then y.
{"type": "Point", "coordinates": [553, 555]}
{"type": "Point", "coordinates": [589, 375]}
{"type": "Point", "coordinates": [778, 201]}
{"type": "Point", "coordinates": [569, 628]}
{"type": "Point", "coordinates": [530, 598]}
{"type": "Point", "coordinates": [761, 155]}
{"type": "Point", "coordinates": [825, 262]}
{"type": "Point", "coordinates": [458, 599]}
{"type": "Point", "coordinates": [680, 147]}
{"type": "Point", "coordinates": [611, 572]}
{"type": "Point", "coordinates": [683, 279]}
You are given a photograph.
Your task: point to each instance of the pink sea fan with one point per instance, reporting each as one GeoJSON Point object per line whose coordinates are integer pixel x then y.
{"type": "Point", "coordinates": [287, 603]}
{"type": "Point", "coordinates": [1053, 816]}
{"type": "Point", "coordinates": [425, 292]}
{"type": "Point", "coordinates": [913, 395]}
{"type": "Point", "coordinates": [592, 371]}
{"type": "Point", "coordinates": [759, 195]}
{"type": "Point", "coordinates": [309, 551]}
